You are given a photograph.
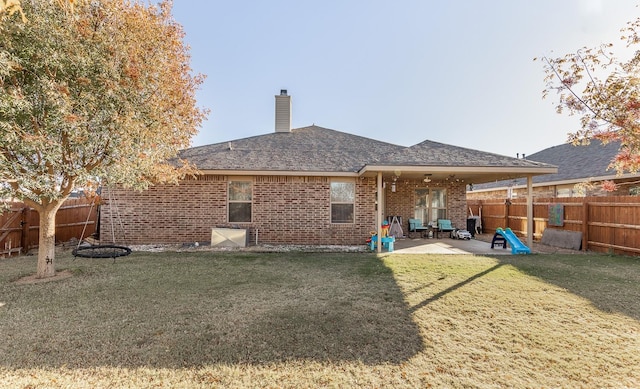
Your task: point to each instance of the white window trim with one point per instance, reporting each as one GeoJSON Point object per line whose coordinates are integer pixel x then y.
{"type": "Point", "coordinates": [229, 201]}
{"type": "Point", "coordinates": [355, 196]}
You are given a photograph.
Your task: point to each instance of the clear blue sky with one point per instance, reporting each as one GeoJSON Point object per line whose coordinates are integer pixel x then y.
{"type": "Point", "coordinates": [451, 71]}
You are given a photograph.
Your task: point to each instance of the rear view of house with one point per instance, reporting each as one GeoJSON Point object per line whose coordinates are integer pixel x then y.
{"type": "Point", "coordinates": [309, 185]}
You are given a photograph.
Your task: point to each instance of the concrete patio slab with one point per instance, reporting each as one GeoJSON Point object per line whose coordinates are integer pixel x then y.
{"type": "Point", "coordinates": [480, 245]}
{"type": "Point", "coordinates": [446, 246]}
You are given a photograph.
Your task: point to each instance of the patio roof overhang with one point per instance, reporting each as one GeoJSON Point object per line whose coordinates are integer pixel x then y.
{"type": "Point", "coordinates": [468, 174]}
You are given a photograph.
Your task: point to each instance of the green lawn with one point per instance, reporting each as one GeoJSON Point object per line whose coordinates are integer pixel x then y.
{"type": "Point", "coordinates": [201, 319]}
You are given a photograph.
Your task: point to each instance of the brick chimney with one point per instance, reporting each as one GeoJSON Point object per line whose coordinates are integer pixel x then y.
{"type": "Point", "coordinates": [283, 112]}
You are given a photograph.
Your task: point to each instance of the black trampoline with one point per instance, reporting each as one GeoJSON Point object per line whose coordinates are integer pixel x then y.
{"type": "Point", "coordinates": [101, 251]}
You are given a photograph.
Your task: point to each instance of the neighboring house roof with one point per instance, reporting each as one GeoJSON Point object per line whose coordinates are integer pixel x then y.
{"type": "Point", "coordinates": [575, 164]}
{"type": "Point", "coordinates": [322, 150]}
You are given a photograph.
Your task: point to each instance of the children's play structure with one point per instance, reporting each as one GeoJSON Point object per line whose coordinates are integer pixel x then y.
{"type": "Point", "coordinates": [502, 237]}
{"type": "Point", "coordinates": [386, 240]}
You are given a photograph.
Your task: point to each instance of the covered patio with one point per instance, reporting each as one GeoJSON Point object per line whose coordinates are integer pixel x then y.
{"type": "Point", "coordinates": [447, 171]}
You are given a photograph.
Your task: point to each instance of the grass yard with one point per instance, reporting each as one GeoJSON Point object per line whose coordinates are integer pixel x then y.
{"type": "Point", "coordinates": [290, 320]}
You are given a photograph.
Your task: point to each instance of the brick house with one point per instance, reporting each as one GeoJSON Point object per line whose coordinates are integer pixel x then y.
{"type": "Point", "coordinates": [309, 185]}
{"type": "Point", "coordinates": [580, 171]}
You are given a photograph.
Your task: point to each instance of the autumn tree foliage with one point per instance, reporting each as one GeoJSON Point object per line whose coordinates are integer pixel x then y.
{"type": "Point", "coordinates": [99, 94]}
{"type": "Point", "coordinates": [605, 92]}
{"type": "Point", "coordinates": [10, 7]}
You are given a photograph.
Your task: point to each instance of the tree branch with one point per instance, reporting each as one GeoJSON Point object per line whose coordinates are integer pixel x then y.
{"type": "Point", "coordinates": [574, 94]}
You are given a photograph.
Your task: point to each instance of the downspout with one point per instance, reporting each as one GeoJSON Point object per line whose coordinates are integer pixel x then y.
{"type": "Point", "coordinates": [530, 211]}
{"type": "Point", "coordinates": [379, 218]}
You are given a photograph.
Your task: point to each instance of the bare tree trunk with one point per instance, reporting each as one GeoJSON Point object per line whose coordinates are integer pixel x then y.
{"type": "Point", "coordinates": [47, 240]}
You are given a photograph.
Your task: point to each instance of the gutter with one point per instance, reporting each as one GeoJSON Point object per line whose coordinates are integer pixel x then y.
{"type": "Point", "coordinates": [460, 169]}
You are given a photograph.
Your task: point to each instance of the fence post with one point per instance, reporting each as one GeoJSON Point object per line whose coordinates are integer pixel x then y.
{"type": "Point", "coordinates": [585, 224]}
{"type": "Point", "coordinates": [24, 238]}
{"type": "Point", "coordinates": [506, 213]}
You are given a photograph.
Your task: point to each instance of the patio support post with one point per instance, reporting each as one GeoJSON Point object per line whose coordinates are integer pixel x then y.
{"type": "Point", "coordinates": [530, 211]}
{"type": "Point", "coordinates": [379, 221]}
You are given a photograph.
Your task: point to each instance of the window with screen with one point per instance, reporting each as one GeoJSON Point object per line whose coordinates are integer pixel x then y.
{"type": "Point", "coordinates": [343, 195]}
{"type": "Point", "coordinates": [240, 197]}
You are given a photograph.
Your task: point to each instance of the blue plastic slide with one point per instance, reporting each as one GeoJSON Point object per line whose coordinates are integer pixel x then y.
{"type": "Point", "coordinates": [517, 247]}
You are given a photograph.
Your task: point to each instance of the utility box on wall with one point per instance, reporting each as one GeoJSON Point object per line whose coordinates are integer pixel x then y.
{"type": "Point", "coordinates": [228, 237]}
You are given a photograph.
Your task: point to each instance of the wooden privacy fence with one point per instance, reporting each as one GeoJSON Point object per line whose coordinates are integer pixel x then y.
{"type": "Point", "coordinates": [19, 227]}
{"type": "Point", "coordinates": [608, 224]}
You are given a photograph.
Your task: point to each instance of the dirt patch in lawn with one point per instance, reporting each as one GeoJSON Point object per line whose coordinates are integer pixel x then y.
{"type": "Point", "coordinates": [32, 279]}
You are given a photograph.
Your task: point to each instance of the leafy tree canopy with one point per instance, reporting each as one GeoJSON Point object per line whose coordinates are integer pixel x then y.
{"type": "Point", "coordinates": [92, 92]}
{"type": "Point", "coordinates": [605, 92]}
{"type": "Point", "coordinates": [104, 92]}
{"type": "Point", "coordinates": [10, 7]}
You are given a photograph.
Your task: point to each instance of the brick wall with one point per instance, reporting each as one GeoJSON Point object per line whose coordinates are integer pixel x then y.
{"type": "Point", "coordinates": [457, 205]}
{"type": "Point", "coordinates": [285, 210]}
{"type": "Point", "coordinates": [293, 210]}
{"type": "Point", "coordinates": [164, 213]}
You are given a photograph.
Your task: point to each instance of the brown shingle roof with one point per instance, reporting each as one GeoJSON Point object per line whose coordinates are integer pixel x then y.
{"type": "Point", "coordinates": [320, 149]}
{"type": "Point", "coordinates": [310, 148]}
{"type": "Point", "coordinates": [429, 153]}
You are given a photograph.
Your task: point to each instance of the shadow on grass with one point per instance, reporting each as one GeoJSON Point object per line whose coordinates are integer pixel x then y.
{"type": "Point", "coordinates": [611, 283]}
{"type": "Point", "coordinates": [202, 309]}
{"type": "Point", "coordinates": [452, 288]}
